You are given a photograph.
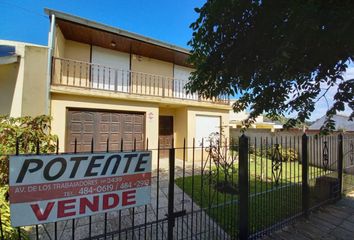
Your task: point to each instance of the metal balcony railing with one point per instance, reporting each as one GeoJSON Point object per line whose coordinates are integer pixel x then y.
{"type": "Point", "coordinates": [74, 73]}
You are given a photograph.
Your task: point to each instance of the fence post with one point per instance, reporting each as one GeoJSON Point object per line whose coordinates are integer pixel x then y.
{"type": "Point", "coordinates": [340, 164]}
{"type": "Point", "coordinates": [171, 189]}
{"type": "Point", "coordinates": [243, 188]}
{"type": "Point", "coordinates": [305, 168]}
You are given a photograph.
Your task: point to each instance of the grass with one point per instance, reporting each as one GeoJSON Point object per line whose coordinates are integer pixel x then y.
{"type": "Point", "coordinates": [269, 202]}
{"type": "Point", "coordinates": [348, 182]}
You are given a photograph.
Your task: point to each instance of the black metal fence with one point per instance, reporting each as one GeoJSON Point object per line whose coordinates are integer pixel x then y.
{"type": "Point", "coordinates": [240, 189]}
{"type": "Point", "coordinates": [288, 177]}
{"type": "Point", "coordinates": [348, 163]}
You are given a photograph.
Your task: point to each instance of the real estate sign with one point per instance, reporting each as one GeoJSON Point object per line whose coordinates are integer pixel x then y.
{"type": "Point", "coordinates": [49, 188]}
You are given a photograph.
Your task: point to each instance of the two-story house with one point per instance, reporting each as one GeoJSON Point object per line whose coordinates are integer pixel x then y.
{"type": "Point", "coordinates": [104, 82]}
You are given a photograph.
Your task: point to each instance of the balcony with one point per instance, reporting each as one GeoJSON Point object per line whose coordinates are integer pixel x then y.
{"type": "Point", "coordinates": [67, 72]}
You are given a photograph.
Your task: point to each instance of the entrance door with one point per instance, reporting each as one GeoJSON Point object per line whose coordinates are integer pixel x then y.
{"type": "Point", "coordinates": [165, 135]}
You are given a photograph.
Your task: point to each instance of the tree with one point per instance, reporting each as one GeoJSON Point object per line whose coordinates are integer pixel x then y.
{"type": "Point", "coordinates": [277, 55]}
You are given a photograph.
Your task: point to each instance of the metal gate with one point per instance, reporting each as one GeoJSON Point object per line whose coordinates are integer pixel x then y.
{"type": "Point", "coordinates": [239, 189]}
{"type": "Point", "coordinates": [184, 203]}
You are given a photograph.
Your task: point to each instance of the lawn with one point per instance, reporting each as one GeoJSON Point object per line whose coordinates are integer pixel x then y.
{"type": "Point", "coordinates": [269, 202]}
{"type": "Point", "coordinates": [348, 182]}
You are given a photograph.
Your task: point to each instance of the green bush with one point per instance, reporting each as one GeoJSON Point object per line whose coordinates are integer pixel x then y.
{"type": "Point", "coordinates": [286, 154]}
{"type": "Point", "coordinates": [29, 131]}
{"type": "Point", "coordinates": [9, 232]}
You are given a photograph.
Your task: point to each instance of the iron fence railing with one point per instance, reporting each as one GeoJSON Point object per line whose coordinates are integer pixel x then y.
{"type": "Point", "coordinates": [243, 189]}
{"type": "Point", "coordinates": [348, 163]}
{"type": "Point", "coordinates": [75, 73]}
{"type": "Point", "coordinates": [282, 178]}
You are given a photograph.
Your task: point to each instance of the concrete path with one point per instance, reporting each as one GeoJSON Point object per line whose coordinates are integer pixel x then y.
{"type": "Point", "coordinates": [330, 222]}
{"type": "Point", "coordinates": [199, 225]}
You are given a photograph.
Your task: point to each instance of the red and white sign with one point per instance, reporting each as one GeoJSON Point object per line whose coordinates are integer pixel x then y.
{"type": "Point", "coordinates": [49, 188]}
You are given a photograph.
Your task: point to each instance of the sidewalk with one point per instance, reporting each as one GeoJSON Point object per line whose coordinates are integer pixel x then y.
{"type": "Point", "coordinates": [330, 222]}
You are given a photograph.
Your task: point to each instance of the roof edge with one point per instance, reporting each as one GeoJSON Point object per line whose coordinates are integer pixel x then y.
{"type": "Point", "coordinates": [6, 41]}
{"type": "Point", "coordinates": [9, 59]}
{"type": "Point", "coordinates": [93, 24]}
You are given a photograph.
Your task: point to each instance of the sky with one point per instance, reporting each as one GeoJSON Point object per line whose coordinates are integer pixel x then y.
{"type": "Point", "coordinates": [325, 103]}
{"type": "Point", "coordinates": [165, 20]}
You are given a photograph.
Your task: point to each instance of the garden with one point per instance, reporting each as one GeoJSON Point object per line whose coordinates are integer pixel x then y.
{"type": "Point", "coordinates": [275, 187]}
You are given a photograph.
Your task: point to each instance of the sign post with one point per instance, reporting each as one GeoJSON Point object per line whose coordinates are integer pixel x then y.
{"type": "Point", "coordinates": [49, 188]}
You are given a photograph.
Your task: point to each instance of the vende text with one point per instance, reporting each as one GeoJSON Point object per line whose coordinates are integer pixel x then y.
{"type": "Point", "coordinates": [48, 188]}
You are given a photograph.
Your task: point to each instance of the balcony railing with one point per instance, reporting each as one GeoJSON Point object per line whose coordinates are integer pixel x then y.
{"type": "Point", "coordinates": [95, 76]}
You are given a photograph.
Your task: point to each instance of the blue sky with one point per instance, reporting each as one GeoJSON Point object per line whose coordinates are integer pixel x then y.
{"type": "Point", "coordinates": [166, 20]}
{"type": "Point", "coordinates": [24, 20]}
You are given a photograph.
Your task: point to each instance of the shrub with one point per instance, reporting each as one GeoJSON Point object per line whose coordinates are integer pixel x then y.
{"type": "Point", "coordinates": [29, 132]}
{"type": "Point", "coordinates": [224, 162]}
{"type": "Point", "coordinates": [9, 232]}
{"type": "Point", "coordinates": [287, 154]}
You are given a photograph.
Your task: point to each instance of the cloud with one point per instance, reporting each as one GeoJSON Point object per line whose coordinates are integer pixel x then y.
{"type": "Point", "coordinates": [324, 104]}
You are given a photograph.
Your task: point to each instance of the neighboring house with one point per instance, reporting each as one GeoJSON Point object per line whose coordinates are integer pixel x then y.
{"type": "Point", "coordinates": [23, 76]}
{"type": "Point", "coordinates": [237, 122]}
{"type": "Point", "coordinates": [259, 128]}
{"type": "Point", "coordinates": [105, 82]}
{"type": "Point", "coordinates": [342, 123]}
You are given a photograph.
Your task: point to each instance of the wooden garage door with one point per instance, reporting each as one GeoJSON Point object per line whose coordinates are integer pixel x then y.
{"type": "Point", "coordinates": [85, 125]}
